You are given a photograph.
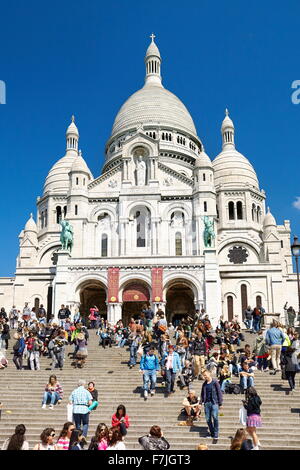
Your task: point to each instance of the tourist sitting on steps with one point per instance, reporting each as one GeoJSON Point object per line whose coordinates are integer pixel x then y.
{"type": "Point", "coordinates": [17, 441]}
{"type": "Point", "coordinates": [154, 440]}
{"type": "Point", "coordinates": [100, 440]}
{"type": "Point", "coordinates": [94, 393]}
{"type": "Point", "coordinates": [63, 441]}
{"type": "Point", "coordinates": [120, 419]}
{"type": "Point", "coordinates": [246, 377]}
{"type": "Point", "coordinates": [115, 440]}
{"type": "Point", "coordinates": [53, 393]}
{"type": "Point", "coordinates": [46, 440]}
{"type": "Point", "coordinates": [192, 406]}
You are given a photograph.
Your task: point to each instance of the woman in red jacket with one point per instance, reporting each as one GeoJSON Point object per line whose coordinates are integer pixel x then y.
{"type": "Point", "coordinates": [121, 419]}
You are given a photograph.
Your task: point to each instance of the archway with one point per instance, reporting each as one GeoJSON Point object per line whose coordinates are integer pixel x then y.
{"type": "Point", "coordinates": [180, 301]}
{"type": "Point", "coordinates": [135, 295]}
{"type": "Point", "coordinates": [93, 292]}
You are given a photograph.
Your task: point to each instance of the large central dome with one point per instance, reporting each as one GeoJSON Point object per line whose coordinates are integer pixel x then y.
{"type": "Point", "coordinates": [153, 104]}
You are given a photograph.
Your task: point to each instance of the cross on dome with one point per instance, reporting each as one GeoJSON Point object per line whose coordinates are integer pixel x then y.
{"type": "Point", "coordinates": [73, 118]}
{"type": "Point", "coordinates": [152, 37]}
{"type": "Point", "coordinates": [226, 112]}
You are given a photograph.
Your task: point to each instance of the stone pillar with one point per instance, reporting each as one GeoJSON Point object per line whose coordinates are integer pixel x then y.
{"type": "Point", "coordinates": [61, 292]}
{"type": "Point", "coordinates": [213, 304]}
{"type": "Point", "coordinates": [114, 312]}
{"type": "Point", "coordinates": [159, 305]}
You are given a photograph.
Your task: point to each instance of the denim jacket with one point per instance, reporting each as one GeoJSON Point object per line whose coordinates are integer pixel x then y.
{"type": "Point", "coordinates": [176, 362]}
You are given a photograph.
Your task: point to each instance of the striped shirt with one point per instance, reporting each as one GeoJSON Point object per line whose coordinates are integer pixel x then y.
{"type": "Point", "coordinates": [63, 443]}
{"type": "Point", "coordinates": [80, 398]}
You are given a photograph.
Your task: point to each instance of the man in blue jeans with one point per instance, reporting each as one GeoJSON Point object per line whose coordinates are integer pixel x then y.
{"type": "Point", "coordinates": [212, 398]}
{"type": "Point", "coordinates": [246, 377]}
{"type": "Point", "coordinates": [81, 399]}
{"type": "Point", "coordinates": [149, 365]}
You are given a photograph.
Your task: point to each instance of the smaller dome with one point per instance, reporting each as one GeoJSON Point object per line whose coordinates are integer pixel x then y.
{"type": "Point", "coordinates": [80, 165]}
{"type": "Point", "coordinates": [30, 225]}
{"type": "Point", "coordinates": [227, 122]}
{"type": "Point", "coordinates": [153, 50]}
{"type": "Point", "coordinates": [269, 220]}
{"type": "Point", "coordinates": [72, 129]}
{"type": "Point", "coordinates": [231, 168]}
{"type": "Point", "coordinates": [58, 177]}
{"type": "Point", "coordinates": [203, 161]}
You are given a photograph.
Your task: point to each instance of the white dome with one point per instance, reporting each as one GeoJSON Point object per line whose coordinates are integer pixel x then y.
{"type": "Point", "coordinates": [269, 220]}
{"type": "Point", "coordinates": [203, 160]}
{"type": "Point", "coordinates": [154, 105]}
{"type": "Point", "coordinates": [231, 168]}
{"type": "Point", "coordinates": [30, 225]}
{"type": "Point", "coordinates": [80, 165]}
{"type": "Point", "coordinates": [58, 177]}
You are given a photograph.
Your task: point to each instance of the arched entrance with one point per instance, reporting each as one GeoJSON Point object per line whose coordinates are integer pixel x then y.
{"type": "Point", "coordinates": [92, 293]}
{"type": "Point", "coordinates": [134, 297]}
{"type": "Point", "coordinates": [180, 301]}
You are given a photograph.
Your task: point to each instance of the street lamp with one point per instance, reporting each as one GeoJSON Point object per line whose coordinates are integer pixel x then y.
{"type": "Point", "coordinates": [295, 247]}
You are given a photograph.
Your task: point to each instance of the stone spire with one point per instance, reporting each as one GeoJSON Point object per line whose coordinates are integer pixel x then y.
{"type": "Point", "coordinates": [72, 136]}
{"type": "Point", "coordinates": [153, 62]}
{"type": "Point", "coordinates": [227, 131]}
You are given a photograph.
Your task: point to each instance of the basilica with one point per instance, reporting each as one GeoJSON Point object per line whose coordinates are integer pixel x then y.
{"type": "Point", "coordinates": [139, 230]}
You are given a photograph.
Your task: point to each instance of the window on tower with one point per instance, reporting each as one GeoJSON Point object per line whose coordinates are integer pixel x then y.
{"type": "Point", "coordinates": [58, 214]}
{"type": "Point", "coordinates": [178, 244]}
{"type": "Point", "coordinates": [231, 210]}
{"type": "Point", "coordinates": [239, 210]}
{"type": "Point", "coordinates": [104, 245]}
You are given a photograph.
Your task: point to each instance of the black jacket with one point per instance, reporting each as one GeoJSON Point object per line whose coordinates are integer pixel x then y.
{"type": "Point", "coordinates": [252, 405]}
{"type": "Point", "coordinates": [199, 347]}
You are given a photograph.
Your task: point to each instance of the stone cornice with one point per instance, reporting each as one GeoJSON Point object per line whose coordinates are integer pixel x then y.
{"type": "Point", "coordinates": [166, 267]}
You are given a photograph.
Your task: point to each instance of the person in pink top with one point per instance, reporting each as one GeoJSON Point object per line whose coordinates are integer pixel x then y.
{"type": "Point", "coordinates": [101, 438]}
{"type": "Point", "coordinates": [65, 435]}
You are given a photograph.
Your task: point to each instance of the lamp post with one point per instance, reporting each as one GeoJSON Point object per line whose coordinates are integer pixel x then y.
{"type": "Point", "coordinates": [295, 247]}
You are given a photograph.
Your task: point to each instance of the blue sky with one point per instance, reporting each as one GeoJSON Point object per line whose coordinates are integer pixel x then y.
{"type": "Point", "coordinates": [66, 57]}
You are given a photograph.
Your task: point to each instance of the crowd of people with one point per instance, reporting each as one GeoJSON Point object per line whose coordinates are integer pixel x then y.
{"type": "Point", "coordinates": [179, 356]}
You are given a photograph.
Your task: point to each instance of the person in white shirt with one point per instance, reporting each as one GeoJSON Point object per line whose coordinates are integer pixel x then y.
{"type": "Point", "coordinates": [115, 439]}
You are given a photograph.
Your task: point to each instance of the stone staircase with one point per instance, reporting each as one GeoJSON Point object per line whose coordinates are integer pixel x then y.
{"type": "Point", "coordinates": [21, 395]}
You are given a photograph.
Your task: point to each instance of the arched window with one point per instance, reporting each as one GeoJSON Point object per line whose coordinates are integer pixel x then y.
{"type": "Point", "coordinates": [140, 229]}
{"type": "Point", "coordinates": [77, 181]}
{"type": "Point", "coordinates": [178, 244]}
{"type": "Point", "coordinates": [205, 206]}
{"type": "Point", "coordinates": [104, 245]}
{"type": "Point", "coordinates": [230, 308]}
{"type": "Point", "coordinates": [258, 214]}
{"type": "Point", "coordinates": [258, 301]}
{"type": "Point", "coordinates": [239, 210]}
{"type": "Point", "coordinates": [253, 212]}
{"type": "Point", "coordinates": [42, 219]}
{"type": "Point", "coordinates": [65, 211]}
{"type": "Point", "coordinates": [231, 210]}
{"type": "Point", "coordinates": [46, 218]}
{"type": "Point", "coordinates": [244, 297]}
{"type": "Point", "coordinates": [36, 304]}
{"type": "Point", "coordinates": [204, 177]}
{"type": "Point", "coordinates": [76, 209]}
{"type": "Point", "coordinates": [58, 214]}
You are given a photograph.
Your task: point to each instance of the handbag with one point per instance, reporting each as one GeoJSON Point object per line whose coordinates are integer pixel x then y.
{"type": "Point", "coordinates": [243, 416]}
{"type": "Point", "coordinates": [69, 412]}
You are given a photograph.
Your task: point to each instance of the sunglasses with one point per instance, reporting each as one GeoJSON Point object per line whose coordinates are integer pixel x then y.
{"type": "Point", "coordinates": [52, 434]}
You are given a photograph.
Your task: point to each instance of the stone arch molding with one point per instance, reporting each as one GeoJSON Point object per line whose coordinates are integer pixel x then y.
{"type": "Point", "coordinates": [178, 206]}
{"type": "Point", "coordinates": [127, 278]}
{"type": "Point", "coordinates": [100, 209]}
{"type": "Point", "coordinates": [135, 204]}
{"type": "Point", "coordinates": [193, 283]}
{"type": "Point", "coordinates": [48, 247]}
{"type": "Point", "coordinates": [242, 241]}
{"type": "Point", "coordinates": [139, 142]}
{"type": "Point", "coordinates": [76, 286]}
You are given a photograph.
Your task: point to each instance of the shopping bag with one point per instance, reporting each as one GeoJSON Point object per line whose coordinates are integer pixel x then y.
{"type": "Point", "coordinates": [69, 412]}
{"type": "Point", "coordinates": [140, 351]}
{"type": "Point", "coordinates": [243, 416]}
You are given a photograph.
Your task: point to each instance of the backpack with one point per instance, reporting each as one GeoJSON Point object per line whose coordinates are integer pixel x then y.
{"type": "Point", "coordinates": [232, 389]}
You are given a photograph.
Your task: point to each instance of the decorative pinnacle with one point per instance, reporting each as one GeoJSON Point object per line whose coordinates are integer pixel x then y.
{"type": "Point", "coordinates": [31, 215]}
{"type": "Point", "coordinates": [73, 118]}
{"type": "Point", "coordinates": [226, 112]}
{"type": "Point", "coordinates": [80, 153]}
{"type": "Point", "coordinates": [152, 37]}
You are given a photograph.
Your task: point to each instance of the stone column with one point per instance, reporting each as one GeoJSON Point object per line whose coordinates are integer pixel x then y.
{"type": "Point", "coordinates": [213, 304]}
{"type": "Point", "coordinates": [114, 312]}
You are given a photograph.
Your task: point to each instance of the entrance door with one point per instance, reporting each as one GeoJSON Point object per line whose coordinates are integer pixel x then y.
{"type": "Point", "coordinates": [180, 302]}
{"type": "Point", "coordinates": [92, 294]}
{"type": "Point", "coordinates": [135, 295]}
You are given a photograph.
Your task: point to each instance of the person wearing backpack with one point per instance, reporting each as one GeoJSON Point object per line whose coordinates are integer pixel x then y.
{"type": "Point", "coordinates": [18, 349]}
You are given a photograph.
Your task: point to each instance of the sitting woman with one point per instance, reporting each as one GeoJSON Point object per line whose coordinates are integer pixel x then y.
{"type": "Point", "coordinates": [241, 441]}
{"type": "Point", "coordinates": [101, 438]}
{"type": "Point", "coordinates": [46, 440]}
{"type": "Point", "coordinates": [53, 393]}
{"type": "Point", "coordinates": [94, 393]}
{"type": "Point", "coordinates": [3, 360]}
{"type": "Point", "coordinates": [154, 440]}
{"type": "Point", "coordinates": [224, 377]}
{"type": "Point", "coordinates": [115, 440]}
{"type": "Point", "coordinates": [17, 440]}
{"type": "Point", "coordinates": [120, 419]}
{"type": "Point", "coordinates": [77, 440]}
{"type": "Point", "coordinates": [192, 406]}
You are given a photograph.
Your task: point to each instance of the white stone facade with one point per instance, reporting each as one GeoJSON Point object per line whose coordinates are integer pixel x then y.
{"type": "Point", "coordinates": [138, 216]}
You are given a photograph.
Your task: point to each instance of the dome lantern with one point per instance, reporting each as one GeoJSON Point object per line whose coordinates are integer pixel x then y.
{"type": "Point", "coordinates": [153, 63]}
{"type": "Point", "coordinates": [227, 131]}
{"type": "Point", "coordinates": [72, 135]}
